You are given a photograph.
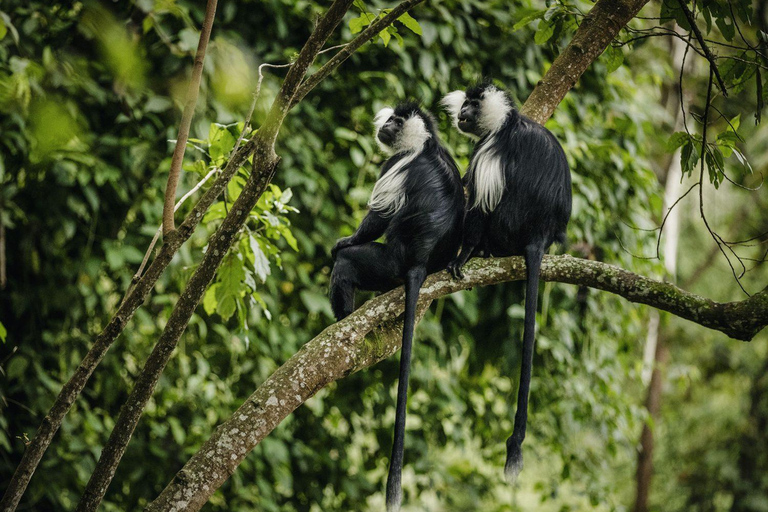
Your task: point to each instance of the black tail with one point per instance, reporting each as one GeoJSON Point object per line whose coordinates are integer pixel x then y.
{"type": "Point", "coordinates": [533, 255]}
{"type": "Point", "coordinates": [413, 281]}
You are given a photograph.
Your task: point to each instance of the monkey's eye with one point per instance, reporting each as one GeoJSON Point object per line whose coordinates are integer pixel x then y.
{"type": "Point", "coordinates": [475, 103]}
{"type": "Point", "coordinates": [399, 121]}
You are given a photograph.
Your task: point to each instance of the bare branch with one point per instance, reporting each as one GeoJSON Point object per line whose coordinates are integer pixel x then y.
{"type": "Point", "coordinates": [186, 118]}
{"type": "Point", "coordinates": [373, 333]}
{"type": "Point", "coordinates": [348, 49]}
{"type": "Point", "coordinates": [705, 48]}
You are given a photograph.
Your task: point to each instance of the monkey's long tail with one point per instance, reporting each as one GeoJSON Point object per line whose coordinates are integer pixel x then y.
{"type": "Point", "coordinates": [413, 281]}
{"type": "Point", "coordinates": [514, 464]}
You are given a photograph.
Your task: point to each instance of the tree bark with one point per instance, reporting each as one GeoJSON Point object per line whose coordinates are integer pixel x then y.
{"type": "Point", "coordinates": [186, 119]}
{"type": "Point", "coordinates": [595, 33]}
{"type": "Point", "coordinates": [645, 455]}
{"type": "Point", "coordinates": [374, 332]}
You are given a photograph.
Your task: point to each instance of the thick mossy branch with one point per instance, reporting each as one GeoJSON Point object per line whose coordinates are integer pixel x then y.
{"type": "Point", "coordinates": [374, 332]}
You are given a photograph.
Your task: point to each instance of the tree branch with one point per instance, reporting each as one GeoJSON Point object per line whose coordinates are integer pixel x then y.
{"type": "Point", "coordinates": [366, 35]}
{"type": "Point", "coordinates": [704, 47]}
{"type": "Point", "coordinates": [186, 118]}
{"type": "Point", "coordinates": [373, 333]}
{"type": "Point", "coordinates": [593, 36]}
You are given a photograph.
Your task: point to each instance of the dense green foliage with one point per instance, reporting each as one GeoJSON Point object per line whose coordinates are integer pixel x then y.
{"type": "Point", "coordinates": [90, 96]}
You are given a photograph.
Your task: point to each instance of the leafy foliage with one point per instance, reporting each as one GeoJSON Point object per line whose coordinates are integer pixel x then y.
{"type": "Point", "coordinates": [90, 95]}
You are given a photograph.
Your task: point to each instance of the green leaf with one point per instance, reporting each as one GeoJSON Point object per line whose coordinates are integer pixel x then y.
{"type": "Point", "coordinates": [385, 36]}
{"type": "Point", "coordinates": [676, 140]}
{"type": "Point", "coordinates": [527, 20]}
{"type": "Point", "coordinates": [544, 33]}
{"type": "Point", "coordinates": [226, 307]}
{"type": "Point", "coordinates": [3, 333]}
{"type": "Point", "coordinates": [613, 57]}
{"type": "Point", "coordinates": [209, 300]}
{"type": "Point", "coordinates": [3, 29]}
{"type": "Point", "coordinates": [260, 261]}
{"type": "Point", "coordinates": [358, 24]}
{"type": "Point", "coordinates": [408, 20]}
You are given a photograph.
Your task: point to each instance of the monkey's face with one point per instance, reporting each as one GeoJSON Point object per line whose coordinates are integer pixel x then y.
{"type": "Point", "coordinates": [479, 111]}
{"type": "Point", "coordinates": [405, 128]}
{"type": "Point", "coordinates": [467, 120]}
{"type": "Point", "coordinates": [391, 130]}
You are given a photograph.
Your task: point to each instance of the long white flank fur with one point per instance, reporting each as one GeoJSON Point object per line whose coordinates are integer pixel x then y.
{"type": "Point", "coordinates": [488, 176]}
{"type": "Point", "coordinates": [486, 165]}
{"type": "Point", "coordinates": [388, 195]}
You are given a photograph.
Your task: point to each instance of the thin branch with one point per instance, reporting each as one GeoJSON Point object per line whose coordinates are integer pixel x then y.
{"type": "Point", "coordinates": [186, 118]}
{"type": "Point", "coordinates": [159, 231]}
{"type": "Point", "coordinates": [714, 235]}
{"type": "Point", "coordinates": [700, 37]}
{"type": "Point", "coordinates": [348, 49]}
{"type": "Point", "coordinates": [372, 333]}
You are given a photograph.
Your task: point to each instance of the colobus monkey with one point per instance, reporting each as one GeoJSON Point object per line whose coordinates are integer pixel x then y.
{"type": "Point", "coordinates": [418, 204]}
{"type": "Point", "coordinates": [519, 192]}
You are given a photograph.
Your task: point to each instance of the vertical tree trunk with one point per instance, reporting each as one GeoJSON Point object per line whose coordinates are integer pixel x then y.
{"type": "Point", "coordinates": [644, 472]}
{"type": "Point", "coordinates": [656, 353]}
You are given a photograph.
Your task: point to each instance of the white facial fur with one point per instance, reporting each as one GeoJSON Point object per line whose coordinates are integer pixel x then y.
{"type": "Point", "coordinates": [412, 137]}
{"type": "Point", "coordinates": [388, 195]}
{"type": "Point", "coordinates": [452, 102]}
{"type": "Point", "coordinates": [493, 110]}
{"type": "Point", "coordinates": [488, 176]}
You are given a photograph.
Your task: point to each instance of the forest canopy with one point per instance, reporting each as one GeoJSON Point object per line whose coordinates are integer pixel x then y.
{"type": "Point", "coordinates": [642, 396]}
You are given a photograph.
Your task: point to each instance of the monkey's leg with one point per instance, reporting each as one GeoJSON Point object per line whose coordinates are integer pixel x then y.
{"type": "Point", "coordinates": [413, 281]}
{"type": "Point", "coordinates": [367, 267]}
{"type": "Point", "coordinates": [514, 464]}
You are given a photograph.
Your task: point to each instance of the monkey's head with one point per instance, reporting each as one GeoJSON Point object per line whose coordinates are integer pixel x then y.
{"type": "Point", "coordinates": [405, 128]}
{"type": "Point", "coordinates": [478, 111]}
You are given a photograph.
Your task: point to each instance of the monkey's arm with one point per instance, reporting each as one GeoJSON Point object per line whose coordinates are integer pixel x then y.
{"type": "Point", "coordinates": [474, 221]}
{"type": "Point", "coordinates": [372, 227]}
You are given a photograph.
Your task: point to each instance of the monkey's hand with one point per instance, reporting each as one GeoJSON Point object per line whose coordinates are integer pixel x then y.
{"type": "Point", "coordinates": [343, 243]}
{"type": "Point", "coordinates": [454, 268]}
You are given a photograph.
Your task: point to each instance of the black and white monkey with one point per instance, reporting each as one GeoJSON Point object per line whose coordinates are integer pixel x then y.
{"type": "Point", "coordinates": [418, 205]}
{"type": "Point", "coordinates": [519, 203]}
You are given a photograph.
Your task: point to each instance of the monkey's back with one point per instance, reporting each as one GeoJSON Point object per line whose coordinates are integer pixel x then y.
{"type": "Point", "coordinates": [536, 203]}
{"type": "Point", "coordinates": [427, 229]}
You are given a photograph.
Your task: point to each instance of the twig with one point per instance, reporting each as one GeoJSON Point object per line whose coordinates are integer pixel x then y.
{"type": "Point", "coordinates": [714, 235]}
{"type": "Point", "coordinates": [186, 119]}
{"type": "Point", "coordinates": [700, 37]}
{"type": "Point", "coordinates": [159, 231]}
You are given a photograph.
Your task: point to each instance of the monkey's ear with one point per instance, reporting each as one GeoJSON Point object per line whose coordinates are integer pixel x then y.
{"type": "Point", "coordinates": [382, 116]}
{"type": "Point", "coordinates": [453, 101]}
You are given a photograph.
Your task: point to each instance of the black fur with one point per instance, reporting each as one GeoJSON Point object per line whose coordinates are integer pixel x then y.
{"type": "Point", "coordinates": [422, 237]}
{"type": "Point", "coordinates": [533, 213]}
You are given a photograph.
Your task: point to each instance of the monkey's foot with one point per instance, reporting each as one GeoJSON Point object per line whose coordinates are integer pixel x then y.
{"type": "Point", "coordinates": [454, 268]}
{"type": "Point", "coordinates": [514, 462]}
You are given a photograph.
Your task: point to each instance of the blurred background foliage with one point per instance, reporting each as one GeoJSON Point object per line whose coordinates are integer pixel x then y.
{"type": "Point", "coordinates": [90, 95]}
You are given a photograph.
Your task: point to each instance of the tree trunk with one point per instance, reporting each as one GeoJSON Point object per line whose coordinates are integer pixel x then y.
{"type": "Point", "coordinates": [655, 347]}
{"type": "Point", "coordinates": [645, 455]}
